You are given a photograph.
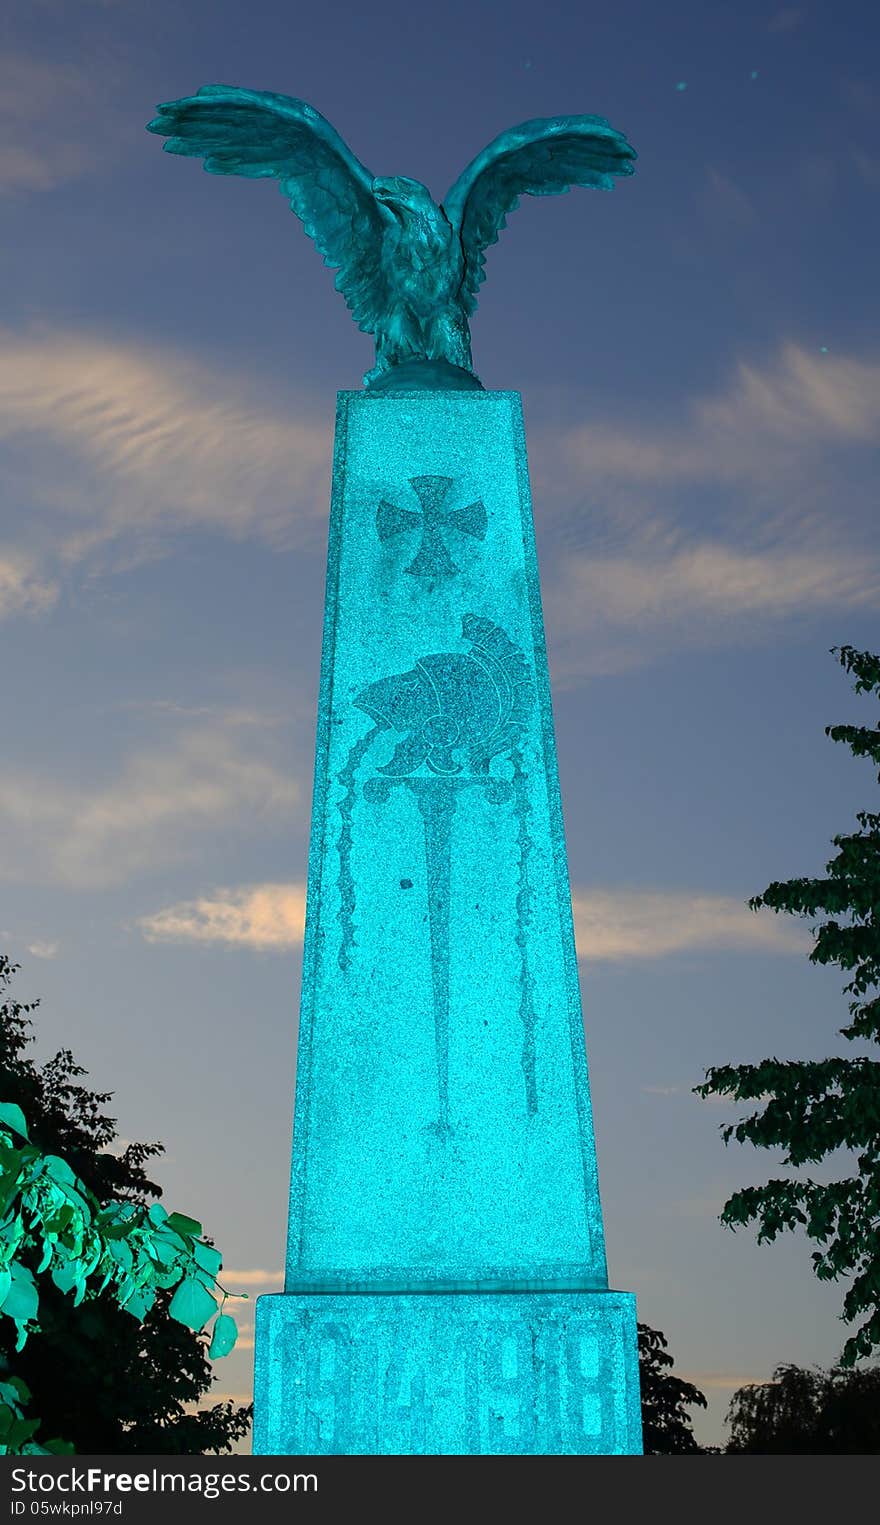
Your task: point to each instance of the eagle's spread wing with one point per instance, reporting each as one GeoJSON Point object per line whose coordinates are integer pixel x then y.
{"type": "Point", "coordinates": [260, 133]}
{"type": "Point", "coordinates": [539, 158]}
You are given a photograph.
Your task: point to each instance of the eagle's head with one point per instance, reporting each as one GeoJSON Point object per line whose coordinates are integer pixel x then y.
{"type": "Point", "coordinates": [405, 200]}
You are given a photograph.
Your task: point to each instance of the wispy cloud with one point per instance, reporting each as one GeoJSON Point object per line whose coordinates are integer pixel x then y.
{"type": "Point", "coordinates": [717, 581]}
{"type": "Point", "coordinates": [50, 124]}
{"type": "Point", "coordinates": [21, 590]}
{"type": "Point", "coordinates": [42, 949]}
{"type": "Point", "coordinates": [37, 947]}
{"type": "Point", "coordinates": [609, 613]}
{"type": "Point", "coordinates": [127, 442]}
{"type": "Point", "coordinates": [611, 925]}
{"type": "Point", "coordinates": [264, 917]}
{"type": "Point", "coordinates": [727, 512]}
{"type": "Point", "coordinates": [740, 510]}
{"type": "Point", "coordinates": [762, 421]}
{"type": "Point", "coordinates": [152, 813]}
{"type": "Point", "coordinates": [616, 926]}
{"type": "Point", "coordinates": [253, 1278]}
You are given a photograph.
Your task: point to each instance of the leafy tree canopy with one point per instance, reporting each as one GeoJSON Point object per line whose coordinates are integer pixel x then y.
{"type": "Point", "coordinates": [666, 1423]}
{"type": "Point", "coordinates": [105, 1381]}
{"type": "Point", "coordinates": [812, 1108]}
{"type": "Point", "coordinates": [808, 1413]}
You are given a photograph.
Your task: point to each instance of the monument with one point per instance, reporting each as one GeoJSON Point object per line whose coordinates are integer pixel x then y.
{"type": "Point", "coordinates": [446, 1289]}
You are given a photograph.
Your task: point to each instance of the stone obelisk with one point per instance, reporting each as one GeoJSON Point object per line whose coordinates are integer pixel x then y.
{"type": "Point", "coordinates": [446, 1289]}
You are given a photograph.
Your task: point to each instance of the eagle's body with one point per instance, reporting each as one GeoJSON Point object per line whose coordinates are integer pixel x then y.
{"type": "Point", "coordinates": [423, 257]}
{"type": "Point", "coordinates": [408, 268]}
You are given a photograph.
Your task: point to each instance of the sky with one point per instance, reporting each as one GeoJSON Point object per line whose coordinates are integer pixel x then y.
{"type": "Point", "coordinates": [698, 355]}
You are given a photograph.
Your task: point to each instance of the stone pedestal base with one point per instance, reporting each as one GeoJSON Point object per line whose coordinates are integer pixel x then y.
{"type": "Point", "coordinates": [452, 1374]}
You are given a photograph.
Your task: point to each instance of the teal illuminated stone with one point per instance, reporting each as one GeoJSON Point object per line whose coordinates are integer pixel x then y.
{"type": "Point", "coordinates": [446, 1289]}
{"type": "Point", "coordinates": [486, 1374]}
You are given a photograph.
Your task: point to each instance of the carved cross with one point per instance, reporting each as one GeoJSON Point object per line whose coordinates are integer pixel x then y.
{"type": "Point", "coordinates": [432, 559]}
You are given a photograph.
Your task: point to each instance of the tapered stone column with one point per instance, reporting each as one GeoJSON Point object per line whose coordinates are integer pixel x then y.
{"type": "Point", "coordinates": [446, 1289]}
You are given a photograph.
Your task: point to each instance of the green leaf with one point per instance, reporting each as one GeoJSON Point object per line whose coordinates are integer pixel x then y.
{"type": "Point", "coordinates": [90, 1259]}
{"type": "Point", "coordinates": [11, 1116]}
{"type": "Point", "coordinates": [224, 1336]}
{"type": "Point", "coordinates": [181, 1224]}
{"type": "Point", "coordinates": [22, 1299]}
{"type": "Point", "coordinates": [58, 1169]}
{"type": "Point", "coordinates": [157, 1214]}
{"type": "Point", "coordinates": [140, 1303]}
{"type": "Point", "coordinates": [19, 1432]}
{"type": "Point", "coordinates": [5, 1282]}
{"type": "Point", "coordinates": [12, 1162]}
{"type": "Point", "coordinates": [191, 1304]}
{"type": "Point", "coordinates": [58, 1222]}
{"type": "Point", "coordinates": [121, 1252]}
{"type": "Point", "coordinates": [65, 1276]}
{"type": "Point", "coordinates": [166, 1250]}
{"type": "Point", "coordinates": [207, 1257]}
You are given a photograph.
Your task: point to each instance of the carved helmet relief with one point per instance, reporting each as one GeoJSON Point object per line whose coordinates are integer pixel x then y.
{"type": "Point", "coordinates": [456, 711]}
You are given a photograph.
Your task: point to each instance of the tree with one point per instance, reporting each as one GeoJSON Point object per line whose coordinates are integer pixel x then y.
{"type": "Point", "coordinates": [666, 1424]}
{"type": "Point", "coordinates": [808, 1413]}
{"type": "Point", "coordinates": [813, 1108]}
{"type": "Point", "coordinates": [99, 1378]}
{"type": "Point", "coordinates": [54, 1231]}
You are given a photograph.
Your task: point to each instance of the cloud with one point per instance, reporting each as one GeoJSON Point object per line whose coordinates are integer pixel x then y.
{"type": "Point", "coordinates": [745, 508]}
{"type": "Point", "coordinates": [54, 124]}
{"type": "Point", "coordinates": [695, 526]}
{"type": "Point", "coordinates": [126, 440]}
{"type": "Point", "coordinates": [42, 949]}
{"type": "Point", "coordinates": [718, 581]}
{"type": "Point", "coordinates": [253, 1278]}
{"type": "Point", "coordinates": [767, 419]}
{"type": "Point", "coordinates": [262, 916]}
{"type": "Point", "coordinates": [21, 590]}
{"type": "Point", "coordinates": [686, 605]}
{"type": "Point", "coordinates": [228, 715]}
{"type": "Point", "coordinates": [152, 814]}
{"type": "Point", "coordinates": [616, 926]}
{"type": "Point", "coordinates": [611, 925]}
{"type": "Point", "coordinates": [609, 613]}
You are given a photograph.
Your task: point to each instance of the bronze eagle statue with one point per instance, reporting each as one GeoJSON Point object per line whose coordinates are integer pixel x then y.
{"type": "Point", "coordinates": [408, 268]}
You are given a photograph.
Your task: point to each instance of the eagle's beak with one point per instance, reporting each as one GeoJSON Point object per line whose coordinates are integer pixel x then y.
{"type": "Point", "coordinates": [387, 197]}
{"type": "Point", "coordinates": [383, 192]}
